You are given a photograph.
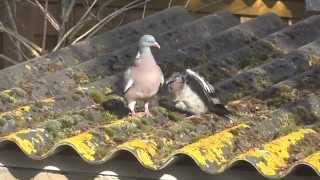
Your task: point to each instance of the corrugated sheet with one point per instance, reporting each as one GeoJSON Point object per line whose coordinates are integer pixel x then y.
{"type": "Point", "coordinates": [266, 72]}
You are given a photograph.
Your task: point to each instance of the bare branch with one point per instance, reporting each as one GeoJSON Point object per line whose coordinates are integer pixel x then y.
{"type": "Point", "coordinates": [51, 19]}
{"type": "Point", "coordinates": [84, 16]}
{"type": "Point", "coordinates": [187, 4]}
{"type": "Point", "coordinates": [97, 26]}
{"type": "Point", "coordinates": [45, 27]}
{"type": "Point", "coordinates": [14, 27]}
{"type": "Point", "coordinates": [144, 8]}
{"type": "Point", "coordinates": [170, 4]}
{"type": "Point", "coordinates": [66, 12]}
{"type": "Point", "coordinates": [101, 8]}
{"type": "Point", "coordinates": [33, 48]}
{"type": "Point", "coordinates": [67, 7]}
{"type": "Point", "coordinates": [2, 56]}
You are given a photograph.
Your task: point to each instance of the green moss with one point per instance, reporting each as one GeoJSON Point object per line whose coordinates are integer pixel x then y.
{"type": "Point", "coordinates": [282, 95]}
{"type": "Point", "coordinates": [175, 116]}
{"type": "Point", "coordinates": [6, 99]}
{"type": "Point", "coordinates": [262, 82]}
{"type": "Point", "coordinates": [109, 117]}
{"type": "Point", "coordinates": [304, 115]}
{"type": "Point", "coordinates": [93, 116]}
{"type": "Point", "coordinates": [289, 123]}
{"type": "Point", "coordinates": [251, 61]}
{"type": "Point", "coordinates": [97, 96]}
{"type": "Point", "coordinates": [80, 77]}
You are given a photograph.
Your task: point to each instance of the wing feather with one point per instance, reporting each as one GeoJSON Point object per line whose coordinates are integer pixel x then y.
{"type": "Point", "coordinates": [128, 81]}
{"type": "Point", "coordinates": [206, 91]}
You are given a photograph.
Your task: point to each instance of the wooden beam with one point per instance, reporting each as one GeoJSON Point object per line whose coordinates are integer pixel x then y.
{"type": "Point", "coordinates": [283, 8]}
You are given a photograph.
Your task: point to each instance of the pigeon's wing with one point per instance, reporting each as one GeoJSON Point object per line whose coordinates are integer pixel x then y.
{"type": "Point", "coordinates": [206, 92]}
{"type": "Point", "coordinates": [128, 81]}
{"type": "Point", "coordinates": [162, 79]}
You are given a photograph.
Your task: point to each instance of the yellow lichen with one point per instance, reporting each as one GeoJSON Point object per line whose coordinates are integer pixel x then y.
{"type": "Point", "coordinates": [274, 155]}
{"type": "Point", "coordinates": [18, 112]}
{"type": "Point", "coordinates": [7, 91]}
{"type": "Point", "coordinates": [83, 145]}
{"type": "Point", "coordinates": [48, 100]}
{"type": "Point", "coordinates": [25, 144]}
{"type": "Point", "coordinates": [210, 149]}
{"type": "Point", "coordinates": [145, 150]}
{"type": "Point", "coordinates": [27, 66]}
{"type": "Point", "coordinates": [314, 160]}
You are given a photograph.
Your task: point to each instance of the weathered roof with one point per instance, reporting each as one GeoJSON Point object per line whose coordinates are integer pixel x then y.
{"type": "Point", "coordinates": [265, 71]}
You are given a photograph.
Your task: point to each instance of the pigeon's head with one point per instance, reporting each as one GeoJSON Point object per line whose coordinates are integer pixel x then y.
{"type": "Point", "coordinates": [175, 84]}
{"type": "Point", "coordinates": [148, 41]}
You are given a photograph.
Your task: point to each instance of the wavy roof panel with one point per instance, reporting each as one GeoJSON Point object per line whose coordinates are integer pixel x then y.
{"type": "Point", "coordinates": [265, 71]}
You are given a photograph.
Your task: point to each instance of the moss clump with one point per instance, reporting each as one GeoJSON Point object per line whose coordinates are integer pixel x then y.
{"type": "Point", "coordinates": [280, 96]}
{"type": "Point", "coordinates": [7, 99]}
{"type": "Point", "coordinates": [80, 77]}
{"type": "Point", "coordinates": [97, 96]}
{"type": "Point", "coordinates": [175, 116]}
{"type": "Point", "coordinates": [304, 115]}
{"type": "Point", "coordinates": [92, 116]}
{"type": "Point", "coordinates": [109, 117]}
{"type": "Point", "coordinates": [289, 123]}
{"type": "Point", "coordinates": [304, 148]}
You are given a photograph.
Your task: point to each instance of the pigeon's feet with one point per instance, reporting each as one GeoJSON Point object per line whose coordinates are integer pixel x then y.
{"type": "Point", "coordinates": [138, 114]}
{"type": "Point", "coordinates": [147, 114]}
{"type": "Point", "coordinates": [146, 110]}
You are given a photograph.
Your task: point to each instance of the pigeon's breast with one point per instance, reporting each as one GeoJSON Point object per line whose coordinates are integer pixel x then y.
{"type": "Point", "coordinates": [146, 81]}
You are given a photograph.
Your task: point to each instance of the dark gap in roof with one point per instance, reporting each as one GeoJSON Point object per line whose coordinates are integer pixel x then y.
{"type": "Point", "coordinates": [302, 171]}
{"type": "Point", "coordinates": [243, 166]}
{"type": "Point", "coordinates": [8, 145]}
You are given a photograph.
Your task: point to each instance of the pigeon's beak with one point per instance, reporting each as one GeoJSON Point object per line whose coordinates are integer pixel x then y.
{"type": "Point", "coordinates": [157, 45]}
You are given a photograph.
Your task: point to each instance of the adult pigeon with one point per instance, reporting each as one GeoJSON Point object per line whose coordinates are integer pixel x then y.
{"type": "Point", "coordinates": [193, 94]}
{"type": "Point", "coordinates": [143, 79]}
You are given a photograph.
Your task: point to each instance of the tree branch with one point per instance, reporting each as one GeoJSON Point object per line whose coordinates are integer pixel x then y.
{"type": "Point", "coordinates": [51, 19]}
{"type": "Point", "coordinates": [186, 5]}
{"type": "Point", "coordinates": [107, 19]}
{"type": "Point", "coordinates": [84, 16]}
{"type": "Point", "coordinates": [15, 29]}
{"type": "Point", "coordinates": [6, 58]}
{"type": "Point", "coordinates": [33, 48]}
{"type": "Point", "coordinates": [45, 28]}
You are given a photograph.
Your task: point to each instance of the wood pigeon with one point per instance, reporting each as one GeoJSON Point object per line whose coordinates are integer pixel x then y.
{"type": "Point", "coordinates": [143, 79]}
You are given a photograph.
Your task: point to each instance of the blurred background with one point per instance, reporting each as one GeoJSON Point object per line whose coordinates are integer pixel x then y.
{"type": "Point", "coordinates": [31, 28]}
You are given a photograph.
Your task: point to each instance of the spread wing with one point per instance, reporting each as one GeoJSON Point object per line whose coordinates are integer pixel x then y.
{"type": "Point", "coordinates": [206, 92]}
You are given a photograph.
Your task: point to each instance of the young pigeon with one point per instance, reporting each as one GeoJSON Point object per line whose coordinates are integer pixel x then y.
{"type": "Point", "coordinates": [193, 94]}
{"type": "Point", "coordinates": [143, 79]}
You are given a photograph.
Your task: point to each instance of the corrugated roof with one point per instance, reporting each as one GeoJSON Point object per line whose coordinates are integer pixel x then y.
{"type": "Point", "coordinates": [265, 71]}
